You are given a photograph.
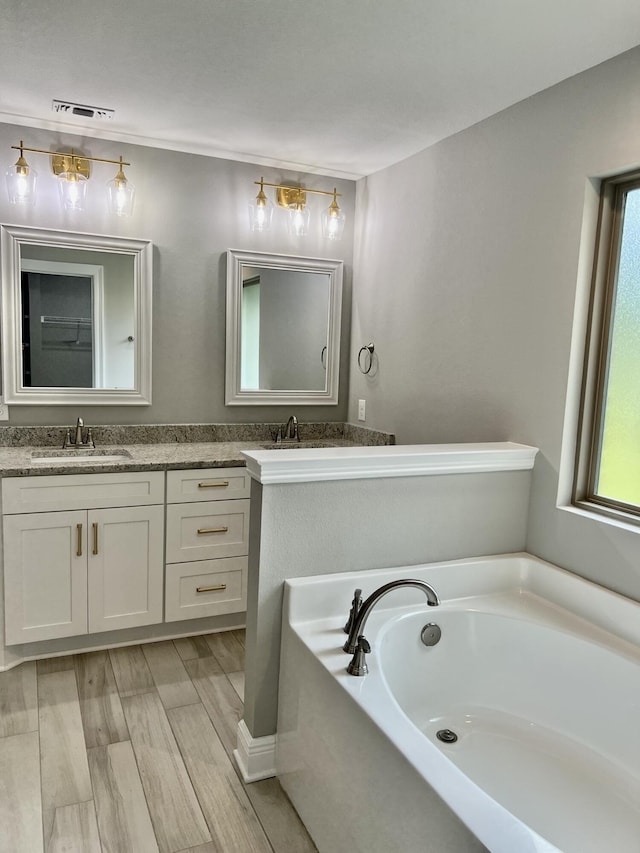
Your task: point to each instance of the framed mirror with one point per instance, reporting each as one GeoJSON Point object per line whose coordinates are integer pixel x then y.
{"type": "Point", "coordinates": [76, 318]}
{"type": "Point", "coordinates": [283, 329]}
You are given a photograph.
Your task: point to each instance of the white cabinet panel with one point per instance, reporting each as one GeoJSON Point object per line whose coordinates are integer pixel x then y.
{"type": "Point", "coordinates": [82, 491]}
{"type": "Point", "coordinates": [207, 484]}
{"type": "Point", "coordinates": [206, 530]}
{"type": "Point", "coordinates": [45, 576]}
{"type": "Point", "coordinates": [125, 567]}
{"type": "Point", "coordinates": [206, 588]}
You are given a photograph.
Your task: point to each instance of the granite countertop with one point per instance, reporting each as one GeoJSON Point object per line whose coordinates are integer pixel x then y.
{"type": "Point", "coordinates": [38, 450]}
{"type": "Point", "coordinates": [32, 460]}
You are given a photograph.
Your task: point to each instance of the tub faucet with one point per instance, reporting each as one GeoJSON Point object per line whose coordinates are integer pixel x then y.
{"type": "Point", "coordinates": [356, 643]}
{"type": "Point", "coordinates": [291, 429]}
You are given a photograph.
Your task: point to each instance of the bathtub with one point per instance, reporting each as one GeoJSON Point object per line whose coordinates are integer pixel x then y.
{"type": "Point", "coordinates": [537, 673]}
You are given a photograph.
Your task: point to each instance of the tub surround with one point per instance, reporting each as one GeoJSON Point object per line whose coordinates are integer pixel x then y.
{"type": "Point", "coordinates": [553, 605]}
{"type": "Point", "coordinates": [361, 508]}
{"type": "Point", "coordinates": [355, 463]}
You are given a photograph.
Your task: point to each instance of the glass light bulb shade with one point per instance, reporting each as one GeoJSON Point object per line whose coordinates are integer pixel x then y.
{"type": "Point", "coordinates": [333, 220]}
{"type": "Point", "coordinates": [21, 185]}
{"type": "Point", "coordinates": [299, 221]}
{"type": "Point", "coordinates": [260, 214]}
{"type": "Point", "coordinates": [121, 194]}
{"type": "Point", "coordinates": [73, 190]}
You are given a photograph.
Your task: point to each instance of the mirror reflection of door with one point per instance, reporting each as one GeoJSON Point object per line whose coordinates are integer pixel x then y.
{"type": "Point", "coordinates": [250, 334]}
{"type": "Point", "coordinates": [61, 332]}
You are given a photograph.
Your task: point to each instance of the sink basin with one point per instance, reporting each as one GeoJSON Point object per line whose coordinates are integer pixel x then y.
{"type": "Point", "coordinates": [91, 456]}
{"type": "Point", "coordinates": [296, 445]}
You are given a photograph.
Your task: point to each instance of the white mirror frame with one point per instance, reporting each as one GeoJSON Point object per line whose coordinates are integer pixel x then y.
{"type": "Point", "coordinates": [234, 394]}
{"type": "Point", "coordinates": [12, 237]}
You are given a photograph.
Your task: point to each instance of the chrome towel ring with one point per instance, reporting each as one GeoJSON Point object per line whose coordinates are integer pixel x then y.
{"type": "Point", "coordinates": [365, 358]}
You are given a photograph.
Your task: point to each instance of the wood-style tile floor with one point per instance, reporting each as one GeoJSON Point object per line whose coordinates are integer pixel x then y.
{"type": "Point", "coordinates": [130, 751]}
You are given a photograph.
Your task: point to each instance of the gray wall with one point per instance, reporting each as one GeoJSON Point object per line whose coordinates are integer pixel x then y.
{"type": "Point", "coordinates": [193, 208]}
{"type": "Point", "coordinates": [468, 265]}
{"type": "Point", "coordinates": [301, 529]}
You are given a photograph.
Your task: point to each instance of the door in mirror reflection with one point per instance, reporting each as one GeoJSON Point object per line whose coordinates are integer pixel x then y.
{"type": "Point", "coordinates": [57, 329]}
{"type": "Point", "coordinates": [284, 329]}
{"type": "Point", "coordinates": [77, 319]}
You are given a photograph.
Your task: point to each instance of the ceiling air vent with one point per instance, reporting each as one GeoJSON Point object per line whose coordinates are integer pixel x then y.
{"type": "Point", "coordinates": [81, 110]}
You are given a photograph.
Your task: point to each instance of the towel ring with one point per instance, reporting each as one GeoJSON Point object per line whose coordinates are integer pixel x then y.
{"type": "Point", "coordinates": [365, 364]}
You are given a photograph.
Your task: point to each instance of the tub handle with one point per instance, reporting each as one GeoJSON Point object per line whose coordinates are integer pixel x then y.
{"type": "Point", "coordinates": [356, 604]}
{"type": "Point", "coordinates": [358, 663]}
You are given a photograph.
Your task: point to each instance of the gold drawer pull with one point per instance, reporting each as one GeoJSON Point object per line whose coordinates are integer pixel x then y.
{"type": "Point", "coordinates": [79, 548]}
{"type": "Point", "coordinates": [220, 485]}
{"type": "Point", "coordinates": [217, 588]}
{"type": "Point", "coordinates": [202, 531]}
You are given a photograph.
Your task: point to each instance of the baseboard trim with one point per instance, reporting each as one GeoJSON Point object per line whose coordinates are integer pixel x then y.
{"type": "Point", "coordinates": [255, 756]}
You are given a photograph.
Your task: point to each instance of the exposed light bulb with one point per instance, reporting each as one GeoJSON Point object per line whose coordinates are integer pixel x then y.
{"type": "Point", "coordinates": [73, 187]}
{"type": "Point", "coordinates": [21, 182]}
{"type": "Point", "coordinates": [298, 220]}
{"type": "Point", "coordinates": [121, 193]}
{"type": "Point", "coordinates": [260, 211]}
{"type": "Point", "coordinates": [333, 220]}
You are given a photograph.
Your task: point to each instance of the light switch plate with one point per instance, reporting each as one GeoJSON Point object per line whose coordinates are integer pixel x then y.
{"type": "Point", "coordinates": [362, 406]}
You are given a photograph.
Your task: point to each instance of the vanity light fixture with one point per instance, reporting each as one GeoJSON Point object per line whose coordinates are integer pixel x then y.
{"type": "Point", "coordinates": [72, 183]}
{"type": "Point", "coordinates": [333, 220]}
{"type": "Point", "coordinates": [294, 199]}
{"type": "Point", "coordinates": [73, 171]}
{"type": "Point", "coordinates": [21, 180]}
{"type": "Point", "coordinates": [121, 193]}
{"type": "Point", "coordinates": [260, 212]}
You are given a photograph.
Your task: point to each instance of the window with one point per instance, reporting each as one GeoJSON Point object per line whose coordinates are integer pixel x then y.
{"type": "Point", "coordinates": [608, 469]}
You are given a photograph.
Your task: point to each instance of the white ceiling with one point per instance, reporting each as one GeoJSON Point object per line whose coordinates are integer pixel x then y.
{"type": "Point", "coordinates": [340, 87]}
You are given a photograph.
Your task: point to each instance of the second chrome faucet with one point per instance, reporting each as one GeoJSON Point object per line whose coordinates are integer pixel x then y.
{"type": "Point", "coordinates": [80, 439]}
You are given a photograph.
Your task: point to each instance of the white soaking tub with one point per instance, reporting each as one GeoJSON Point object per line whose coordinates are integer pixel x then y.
{"type": "Point", "coordinates": [537, 673]}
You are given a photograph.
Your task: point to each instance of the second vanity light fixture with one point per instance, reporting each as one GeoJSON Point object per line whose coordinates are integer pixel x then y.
{"type": "Point", "coordinates": [294, 199]}
{"type": "Point", "coordinates": [72, 170]}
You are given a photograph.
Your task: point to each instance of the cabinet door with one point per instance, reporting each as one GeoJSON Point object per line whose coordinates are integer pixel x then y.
{"type": "Point", "coordinates": [45, 576]}
{"type": "Point", "coordinates": [125, 567]}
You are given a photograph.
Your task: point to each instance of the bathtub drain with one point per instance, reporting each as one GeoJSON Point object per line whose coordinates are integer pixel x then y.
{"type": "Point", "coordinates": [447, 736]}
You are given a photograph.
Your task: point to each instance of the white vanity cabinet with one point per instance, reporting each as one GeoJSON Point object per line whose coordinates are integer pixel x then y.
{"type": "Point", "coordinates": [83, 553]}
{"type": "Point", "coordinates": [207, 542]}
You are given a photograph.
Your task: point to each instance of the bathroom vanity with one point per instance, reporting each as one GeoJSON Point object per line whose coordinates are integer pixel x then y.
{"type": "Point", "coordinates": [89, 554]}
{"type": "Point", "coordinates": [128, 542]}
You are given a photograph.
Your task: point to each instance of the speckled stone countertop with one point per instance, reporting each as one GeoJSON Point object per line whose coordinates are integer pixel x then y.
{"type": "Point", "coordinates": [23, 461]}
{"type": "Point", "coordinates": [28, 451]}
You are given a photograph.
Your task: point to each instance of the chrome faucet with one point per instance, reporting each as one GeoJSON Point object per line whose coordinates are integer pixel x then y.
{"type": "Point", "coordinates": [291, 429]}
{"type": "Point", "coordinates": [79, 427]}
{"type": "Point", "coordinates": [356, 643]}
{"type": "Point", "coordinates": [80, 439]}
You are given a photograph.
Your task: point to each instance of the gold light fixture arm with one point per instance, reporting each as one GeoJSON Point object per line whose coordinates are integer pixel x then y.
{"type": "Point", "coordinates": [288, 196]}
{"type": "Point", "coordinates": [73, 155]}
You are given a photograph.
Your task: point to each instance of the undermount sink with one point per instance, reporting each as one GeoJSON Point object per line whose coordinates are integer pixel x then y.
{"type": "Point", "coordinates": [295, 445]}
{"type": "Point", "coordinates": [79, 457]}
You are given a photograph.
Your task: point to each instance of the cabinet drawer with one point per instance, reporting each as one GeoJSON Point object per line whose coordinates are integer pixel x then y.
{"type": "Point", "coordinates": [207, 530]}
{"type": "Point", "coordinates": [206, 588]}
{"type": "Point", "coordinates": [82, 491]}
{"type": "Point", "coordinates": [207, 484]}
